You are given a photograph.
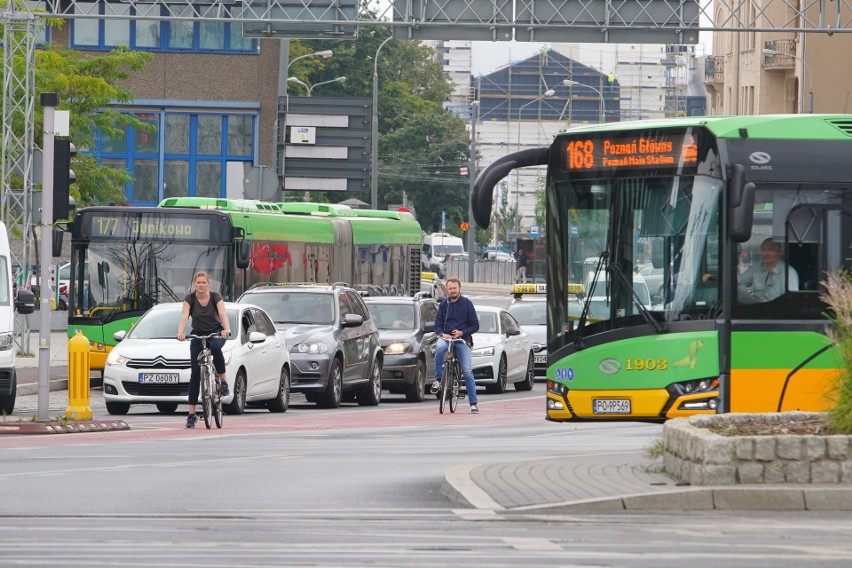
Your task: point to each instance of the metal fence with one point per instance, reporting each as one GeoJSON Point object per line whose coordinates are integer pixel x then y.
{"type": "Point", "coordinates": [484, 271]}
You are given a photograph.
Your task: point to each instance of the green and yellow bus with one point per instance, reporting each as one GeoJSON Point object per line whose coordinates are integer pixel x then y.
{"type": "Point", "coordinates": [696, 198]}
{"type": "Point", "coordinates": [126, 259]}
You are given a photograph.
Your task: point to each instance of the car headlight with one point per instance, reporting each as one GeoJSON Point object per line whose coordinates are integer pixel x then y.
{"type": "Point", "coordinates": [311, 348]}
{"type": "Point", "coordinates": [114, 359]}
{"type": "Point", "coordinates": [6, 341]}
{"type": "Point", "coordinates": [482, 351]}
{"type": "Point", "coordinates": [397, 348]}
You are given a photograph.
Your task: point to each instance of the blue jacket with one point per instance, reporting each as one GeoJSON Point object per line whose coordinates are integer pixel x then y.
{"type": "Point", "coordinates": [459, 315]}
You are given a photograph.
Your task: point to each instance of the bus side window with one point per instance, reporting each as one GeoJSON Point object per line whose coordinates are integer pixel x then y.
{"type": "Point", "coordinates": [804, 258]}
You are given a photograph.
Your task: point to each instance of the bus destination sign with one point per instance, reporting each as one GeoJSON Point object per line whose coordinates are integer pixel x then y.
{"type": "Point", "coordinates": [641, 151]}
{"type": "Point", "coordinates": [150, 226]}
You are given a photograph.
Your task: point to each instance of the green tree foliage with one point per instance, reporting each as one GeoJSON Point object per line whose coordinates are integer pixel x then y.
{"type": "Point", "coordinates": [87, 84]}
{"type": "Point", "coordinates": [421, 146]}
{"type": "Point", "coordinates": [506, 220]}
{"type": "Point", "coordinates": [540, 205]}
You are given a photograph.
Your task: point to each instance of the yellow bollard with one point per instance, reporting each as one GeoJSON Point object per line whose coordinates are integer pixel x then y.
{"type": "Point", "coordinates": [78, 378]}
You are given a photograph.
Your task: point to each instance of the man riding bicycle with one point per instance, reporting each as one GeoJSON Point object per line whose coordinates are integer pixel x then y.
{"type": "Point", "coordinates": [456, 318]}
{"type": "Point", "coordinates": [208, 316]}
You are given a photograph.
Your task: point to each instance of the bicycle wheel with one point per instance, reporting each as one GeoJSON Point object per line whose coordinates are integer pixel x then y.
{"type": "Point", "coordinates": [206, 401]}
{"type": "Point", "coordinates": [446, 380]}
{"type": "Point", "coordinates": [456, 392]}
{"type": "Point", "coordinates": [217, 402]}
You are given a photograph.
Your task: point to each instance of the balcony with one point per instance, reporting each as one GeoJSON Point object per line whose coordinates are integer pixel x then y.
{"type": "Point", "coordinates": [784, 59]}
{"type": "Point", "coordinates": [714, 69]}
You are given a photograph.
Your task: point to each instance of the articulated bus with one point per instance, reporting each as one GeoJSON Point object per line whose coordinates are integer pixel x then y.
{"type": "Point", "coordinates": [126, 259]}
{"type": "Point", "coordinates": [695, 198]}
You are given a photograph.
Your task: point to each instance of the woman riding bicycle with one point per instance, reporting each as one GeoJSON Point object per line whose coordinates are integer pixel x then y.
{"type": "Point", "coordinates": [208, 317]}
{"type": "Point", "coordinates": [456, 318]}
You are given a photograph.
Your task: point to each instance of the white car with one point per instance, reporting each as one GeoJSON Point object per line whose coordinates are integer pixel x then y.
{"type": "Point", "coordinates": [150, 366]}
{"type": "Point", "coordinates": [529, 307]}
{"type": "Point", "coordinates": [502, 352]}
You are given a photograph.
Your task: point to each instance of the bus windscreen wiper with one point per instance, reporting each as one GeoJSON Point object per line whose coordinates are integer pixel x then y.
{"type": "Point", "coordinates": [653, 323]}
{"type": "Point", "coordinates": [578, 338]}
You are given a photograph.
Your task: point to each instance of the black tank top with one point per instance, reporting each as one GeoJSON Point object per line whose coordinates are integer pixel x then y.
{"type": "Point", "coordinates": [205, 319]}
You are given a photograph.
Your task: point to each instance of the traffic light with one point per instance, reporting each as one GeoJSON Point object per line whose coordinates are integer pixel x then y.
{"type": "Point", "coordinates": [63, 176]}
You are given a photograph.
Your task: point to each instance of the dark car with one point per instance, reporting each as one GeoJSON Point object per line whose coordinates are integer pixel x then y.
{"type": "Point", "coordinates": [334, 343]}
{"type": "Point", "coordinates": [406, 332]}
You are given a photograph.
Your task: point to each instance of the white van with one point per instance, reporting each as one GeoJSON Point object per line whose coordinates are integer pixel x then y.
{"type": "Point", "coordinates": [436, 247]}
{"type": "Point", "coordinates": [9, 302]}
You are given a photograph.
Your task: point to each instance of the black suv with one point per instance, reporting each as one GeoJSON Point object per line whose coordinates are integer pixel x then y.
{"type": "Point", "coordinates": [334, 343]}
{"type": "Point", "coordinates": [407, 334]}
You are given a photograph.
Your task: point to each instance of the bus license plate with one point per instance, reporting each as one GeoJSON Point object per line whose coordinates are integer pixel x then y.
{"type": "Point", "coordinates": [161, 378]}
{"type": "Point", "coordinates": [611, 406]}
{"type": "Point", "coordinates": [541, 359]}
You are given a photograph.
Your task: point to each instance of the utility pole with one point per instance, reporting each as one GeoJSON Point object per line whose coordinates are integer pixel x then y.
{"type": "Point", "coordinates": [474, 118]}
{"type": "Point", "coordinates": [49, 102]}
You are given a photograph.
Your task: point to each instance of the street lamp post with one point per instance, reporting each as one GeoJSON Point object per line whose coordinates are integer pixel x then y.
{"type": "Point", "coordinates": [325, 54]}
{"type": "Point", "coordinates": [374, 150]}
{"type": "Point", "coordinates": [310, 88]}
{"type": "Point", "coordinates": [570, 83]}
{"type": "Point", "coordinates": [474, 118]}
{"type": "Point", "coordinates": [547, 94]}
{"type": "Point", "coordinates": [805, 67]}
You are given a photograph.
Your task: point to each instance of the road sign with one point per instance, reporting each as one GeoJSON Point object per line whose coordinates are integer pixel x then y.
{"type": "Point", "coordinates": [464, 226]}
{"type": "Point", "coordinates": [534, 231]}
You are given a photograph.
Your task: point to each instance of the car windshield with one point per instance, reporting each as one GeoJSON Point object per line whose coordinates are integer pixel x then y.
{"type": "Point", "coordinates": [392, 316]}
{"type": "Point", "coordinates": [487, 322]}
{"type": "Point", "coordinates": [296, 307]}
{"type": "Point", "coordinates": [530, 313]}
{"type": "Point", "coordinates": [163, 323]}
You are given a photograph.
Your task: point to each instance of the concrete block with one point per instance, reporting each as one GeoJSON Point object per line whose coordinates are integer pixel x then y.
{"type": "Point", "coordinates": [837, 447]}
{"type": "Point", "coordinates": [846, 471]}
{"type": "Point", "coordinates": [789, 447]}
{"type": "Point", "coordinates": [797, 472]}
{"type": "Point", "coordinates": [718, 450]}
{"type": "Point", "coordinates": [814, 448]}
{"type": "Point", "coordinates": [744, 448]}
{"type": "Point", "coordinates": [773, 472]}
{"type": "Point", "coordinates": [686, 500]}
{"type": "Point", "coordinates": [757, 499]}
{"type": "Point", "coordinates": [764, 448]}
{"type": "Point", "coordinates": [825, 472]}
{"type": "Point", "coordinates": [719, 475]}
{"type": "Point", "coordinates": [828, 499]}
{"type": "Point", "coordinates": [750, 473]}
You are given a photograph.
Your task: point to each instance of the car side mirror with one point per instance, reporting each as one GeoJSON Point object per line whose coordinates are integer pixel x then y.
{"type": "Point", "coordinates": [429, 327]}
{"type": "Point", "coordinates": [119, 335]}
{"type": "Point", "coordinates": [256, 337]}
{"type": "Point", "coordinates": [352, 320]}
{"type": "Point", "coordinates": [25, 301]}
{"type": "Point", "coordinates": [512, 331]}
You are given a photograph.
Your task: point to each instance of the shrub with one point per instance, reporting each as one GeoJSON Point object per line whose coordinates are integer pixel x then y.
{"type": "Point", "coordinates": [838, 296]}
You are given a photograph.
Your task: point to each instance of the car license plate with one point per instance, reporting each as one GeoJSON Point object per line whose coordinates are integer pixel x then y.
{"type": "Point", "coordinates": [541, 359]}
{"type": "Point", "coordinates": [161, 378]}
{"type": "Point", "coordinates": [611, 406]}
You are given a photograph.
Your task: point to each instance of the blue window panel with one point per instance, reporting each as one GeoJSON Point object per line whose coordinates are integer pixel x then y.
{"type": "Point", "coordinates": [156, 35]}
{"type": "Point", "coordinates": [187, 153]}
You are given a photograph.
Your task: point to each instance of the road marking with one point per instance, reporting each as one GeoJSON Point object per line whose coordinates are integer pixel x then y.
{"type": "Point", "coordinates": [534, 544]}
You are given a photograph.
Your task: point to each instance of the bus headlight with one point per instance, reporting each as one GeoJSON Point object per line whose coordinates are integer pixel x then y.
{"type": "Point", "coordinates": [557, 388]}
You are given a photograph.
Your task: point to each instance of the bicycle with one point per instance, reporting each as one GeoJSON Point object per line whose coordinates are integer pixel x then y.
{"type": "Point", "coordinates": [451, 382]}
{"type": "Point", "coordinates": [211, 401]}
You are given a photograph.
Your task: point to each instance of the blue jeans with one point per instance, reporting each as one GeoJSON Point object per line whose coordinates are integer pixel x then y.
{"type": "Point", "coordinates": [464, 358]}
{"type": "Point", "coordinates": [216, 345]}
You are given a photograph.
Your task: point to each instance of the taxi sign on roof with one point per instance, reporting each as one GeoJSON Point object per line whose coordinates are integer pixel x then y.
{"type": "Point", "coordinates": [428, 276]}
{"type": "Point", "coordinates": [576, 288]}
{"type": "Point", "coordinates": [519, 289]}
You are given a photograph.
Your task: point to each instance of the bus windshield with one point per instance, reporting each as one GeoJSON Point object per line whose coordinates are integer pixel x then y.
{"type": "Point", "coordinates": [670, 222]}
{"type": "Point", "coordinates": [137, 275]}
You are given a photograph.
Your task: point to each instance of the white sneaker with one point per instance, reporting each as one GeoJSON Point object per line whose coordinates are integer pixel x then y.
{"type": "Point", "coordinates": [436, 386]}
{"type": "Point", "coordinates": [474, 408]}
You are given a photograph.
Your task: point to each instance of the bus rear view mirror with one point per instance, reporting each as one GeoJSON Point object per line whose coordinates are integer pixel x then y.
{"type": "Point", "coordinates": [243, 253]}
{"type": "Point", "coordinates": [740, 205]}
{"type": "Point", "coordinates": [57, 241]}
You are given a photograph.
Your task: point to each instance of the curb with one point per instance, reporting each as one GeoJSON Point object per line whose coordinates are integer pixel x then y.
{"type": "Point", "coordinates": [61, 427]}
{"type": "Point", "coordinates": [29, 389]}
